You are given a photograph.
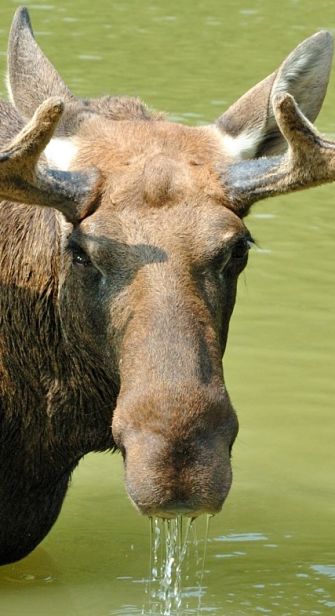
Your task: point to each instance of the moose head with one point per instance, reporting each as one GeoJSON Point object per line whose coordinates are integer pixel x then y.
{"type": "Point", "coordinates": [151, 243]}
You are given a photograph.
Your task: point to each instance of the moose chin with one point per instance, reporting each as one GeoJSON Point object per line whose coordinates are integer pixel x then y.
{"type": "Point", "coordinates": [122, 239]}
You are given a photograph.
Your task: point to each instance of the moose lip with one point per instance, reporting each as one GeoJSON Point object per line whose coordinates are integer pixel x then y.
{"type": "Point", "coordinates": [186, 512]}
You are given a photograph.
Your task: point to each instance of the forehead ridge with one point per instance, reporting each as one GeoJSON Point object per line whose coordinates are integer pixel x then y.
{"type": "Point", "coordinates": [109, 141]}
{"type": "Point", "coordinates": [152, 163]}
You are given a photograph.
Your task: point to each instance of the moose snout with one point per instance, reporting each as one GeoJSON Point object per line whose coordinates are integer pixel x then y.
{"type": "Point", "coordinates": [176, 463]}
{"type": "Point", "coordinates": [163, 480]}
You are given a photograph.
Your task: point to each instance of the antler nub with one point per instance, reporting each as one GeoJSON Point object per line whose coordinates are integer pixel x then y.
{"type": "Point", "coordinates": [22, 179]}
{"type": "Point", "coordinates": [28, 145]}
{"type": "Point", "coordinates": [309, 161]}
{"type": "Point", "coordinates": [305, 143]}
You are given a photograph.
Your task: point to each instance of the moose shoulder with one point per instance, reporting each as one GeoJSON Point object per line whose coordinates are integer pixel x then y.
{"type": "Point", "coordinates": [121, 244]}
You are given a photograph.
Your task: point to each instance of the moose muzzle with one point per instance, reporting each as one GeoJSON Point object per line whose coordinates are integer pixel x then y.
{"type": "Point", "coordinates": [176, 449]}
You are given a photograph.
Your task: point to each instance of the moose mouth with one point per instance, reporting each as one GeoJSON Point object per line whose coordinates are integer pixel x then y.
{"type": "Point", "coordinates": [173, 510]}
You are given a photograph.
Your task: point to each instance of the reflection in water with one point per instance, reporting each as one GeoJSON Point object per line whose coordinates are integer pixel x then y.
{"type": "Point", "coordinates": [242, 537]}
{"type": "Point", "coordinates": [328, 570]}
{"type": "Point", "coordinates": [39, 567]}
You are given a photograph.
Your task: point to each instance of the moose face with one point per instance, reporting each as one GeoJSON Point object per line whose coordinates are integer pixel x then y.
{"type": "Point", "coordinates": [153, 272]}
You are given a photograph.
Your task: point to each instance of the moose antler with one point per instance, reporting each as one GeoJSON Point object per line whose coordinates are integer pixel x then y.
{"type": "Point", "coordinates": [22, 179]}
{"type": "Point", "coordinates": [309, 161]}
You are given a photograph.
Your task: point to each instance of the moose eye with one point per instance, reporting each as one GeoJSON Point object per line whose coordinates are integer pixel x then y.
{"type": "Point", "coordinates": [240, 249]}
{"type": "Point", "coordinates": [79, 256]}
{"type": "Point", "coordinates": [236, 255]}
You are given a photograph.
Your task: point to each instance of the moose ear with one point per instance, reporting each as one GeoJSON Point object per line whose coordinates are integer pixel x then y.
{"type": "Point", "coordinates": [31, 78]}
{"type": "Point", "coordinates": [249, 126]}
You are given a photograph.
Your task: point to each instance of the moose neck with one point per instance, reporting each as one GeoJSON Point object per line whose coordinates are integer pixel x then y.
{"type": "Point", "coordinates": [27, 510]}
{"type": "Point", "coordinates": [50, 412]}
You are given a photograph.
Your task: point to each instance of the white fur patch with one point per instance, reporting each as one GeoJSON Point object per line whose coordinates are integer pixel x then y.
{"type": "Point", "coordinates": [60, 153]}
{"type": "Point", "coordinates": [243, 146]}
{"type": "Point", "coordinates": [240, 147]}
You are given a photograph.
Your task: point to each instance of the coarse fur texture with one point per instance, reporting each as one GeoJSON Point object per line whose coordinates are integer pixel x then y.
{"type": "Point", "coordinates": [118, 274]}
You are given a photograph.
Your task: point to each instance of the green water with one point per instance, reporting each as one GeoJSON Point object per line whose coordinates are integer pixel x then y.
{"type": "Point", "coordinates": [272, 549]}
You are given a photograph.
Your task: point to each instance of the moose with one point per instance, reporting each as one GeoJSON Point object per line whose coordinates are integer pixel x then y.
{"type": "Point", "coordinates": [122, 239]}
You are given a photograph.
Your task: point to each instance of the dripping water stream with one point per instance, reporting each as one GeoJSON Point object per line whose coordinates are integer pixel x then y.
{"type": "Point", "coordinates": [177, 566]}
